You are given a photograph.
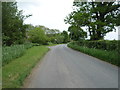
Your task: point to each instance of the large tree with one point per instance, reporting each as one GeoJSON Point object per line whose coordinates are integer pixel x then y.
{"type": "Point", "coordinates": [99, 17]}
{"type": "Point", "coordinates": [13, 28]}
{"type": "Point", "coordinates": [66, 36]}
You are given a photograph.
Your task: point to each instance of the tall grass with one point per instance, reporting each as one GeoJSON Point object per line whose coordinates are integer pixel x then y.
{"type": "Point", "coordinates": [11, 52]}
{"type": "Point", "coordinates": [108, 56]}
{"type": "Point", "coordinates": [15, 72]}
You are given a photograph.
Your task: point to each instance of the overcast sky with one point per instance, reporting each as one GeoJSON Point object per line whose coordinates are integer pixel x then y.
{"type": "Point", "coordinates": [51, 13]}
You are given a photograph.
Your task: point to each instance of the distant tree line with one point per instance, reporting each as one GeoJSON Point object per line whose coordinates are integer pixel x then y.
{"type": "Point", "coordinates": [43, 35]}
{"type": "Point", "coordinates": [98, 17]}
{"type": "Point", "coordinates": [14, 31]}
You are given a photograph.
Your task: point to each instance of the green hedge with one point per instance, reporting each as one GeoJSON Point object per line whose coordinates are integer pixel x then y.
{"type": "Point", "coordinates": [103, 44]}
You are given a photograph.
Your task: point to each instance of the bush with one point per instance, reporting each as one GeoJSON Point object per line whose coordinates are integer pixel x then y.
{"type": "Point", "coordinates": [11, 52]}
{"type": "Point", "coordinates": [103, 44]}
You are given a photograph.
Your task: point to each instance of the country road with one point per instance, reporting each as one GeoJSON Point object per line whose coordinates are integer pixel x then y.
{"type": "Point", "coordinates": [63, 67]}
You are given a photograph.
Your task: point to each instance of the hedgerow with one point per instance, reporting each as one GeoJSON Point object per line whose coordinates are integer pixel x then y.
{"type": "Point", "coordinates": [108, 45]}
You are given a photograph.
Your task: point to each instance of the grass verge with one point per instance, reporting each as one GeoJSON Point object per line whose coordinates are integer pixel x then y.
{"type": "Point", "coordinates": [10, 53]}
{"type": "Point", "coordinates": [108, 56]}
{"type": "Point", "coordinates": [16, 71]}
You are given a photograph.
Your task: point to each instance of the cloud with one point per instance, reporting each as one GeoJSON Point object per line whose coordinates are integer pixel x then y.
{"type": "Point", "coordinates": [50, 13]}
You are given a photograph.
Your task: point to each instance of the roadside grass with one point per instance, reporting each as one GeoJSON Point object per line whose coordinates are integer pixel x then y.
{"type": "Point", "coordinates": [108, 56]}
{"type": "Point", "coordinates": [17, 70]}
{"type": "Point", "coordinates": [10, 53]}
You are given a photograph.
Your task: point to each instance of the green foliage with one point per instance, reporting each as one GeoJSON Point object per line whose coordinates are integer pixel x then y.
{"type": "Point", "coordinates": [9, 53]}
{"type": "Point", "coordinates": [76, 33]}
{"type": "Point", "coordinates": [59, 39]}
{"type": "Point", "coordinates": [43, 35]}
{"type": "Point", "coordinates": [13, 28]}
{"type": "Point", "coordinates": [37, 35]}
{"type": "Point", "coordinates": [66, 36]}
{"type": "Point", "coordinates": [54, 36]}
{"type": "Point", "coordinates": [102, 44]}
{"type": "Point", "coordinates": [108, 56]}
{"type": "Point", "coordinates": [15, 72]}
{"type": "Point", "coordinates": [99, 18]}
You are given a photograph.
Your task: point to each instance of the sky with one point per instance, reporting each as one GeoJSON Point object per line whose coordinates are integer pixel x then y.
{"type": "Point", "coordinates": [51, 14]}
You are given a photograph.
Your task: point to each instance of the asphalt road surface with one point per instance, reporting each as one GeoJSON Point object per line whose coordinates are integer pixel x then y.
{"type": "Point", "coordinates": [63, 67]}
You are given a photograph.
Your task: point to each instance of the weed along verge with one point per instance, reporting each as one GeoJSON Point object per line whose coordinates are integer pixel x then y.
{"type": "Point", "coordinates": [17, 70]}
{"type": "Point", "coordinates": [12, 52]}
